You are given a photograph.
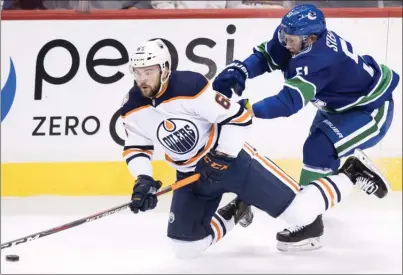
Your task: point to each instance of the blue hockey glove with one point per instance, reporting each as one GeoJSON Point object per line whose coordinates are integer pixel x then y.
{"type": "Point", "coordinates": [143, 197]}
{"type": "Point", "coordinates": [231, 79]}
{"type": "Point", "coordinates": [213, 166]}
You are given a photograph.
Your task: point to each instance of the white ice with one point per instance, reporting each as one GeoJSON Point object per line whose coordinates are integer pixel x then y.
{"type": "Point", "coordinates": [362, 235]}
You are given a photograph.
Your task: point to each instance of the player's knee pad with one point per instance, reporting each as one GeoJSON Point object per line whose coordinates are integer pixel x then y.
{"type": "Point", "coordinates": [190, 249]}
{"type": "Point", "coordinates": [319, 151]}
{"type": "Point", "coordinates": [305, 207]}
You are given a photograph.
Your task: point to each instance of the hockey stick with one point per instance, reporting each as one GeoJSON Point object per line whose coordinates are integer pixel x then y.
{"type": "Point", "coordinates": [97, 216]}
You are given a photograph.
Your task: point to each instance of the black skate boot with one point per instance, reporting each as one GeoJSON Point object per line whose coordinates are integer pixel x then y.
{"type": "Point", "coordinates": [241, 212]}
{"type": "Point", "coordinates": [363, 173]}
{"type": "Point", "coordinates": [301, 238]}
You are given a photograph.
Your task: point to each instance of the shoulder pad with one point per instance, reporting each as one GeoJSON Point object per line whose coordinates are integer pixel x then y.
{"type": "Point", "coordinates": [189, 83]}
{"type": "Point", "coordinates": [184, 84]}
{"type": "Point", "coordinates": [133, 100]}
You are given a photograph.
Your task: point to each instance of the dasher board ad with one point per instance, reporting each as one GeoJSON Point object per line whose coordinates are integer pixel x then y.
{"type": "Point", "coordinates": [63, 82]}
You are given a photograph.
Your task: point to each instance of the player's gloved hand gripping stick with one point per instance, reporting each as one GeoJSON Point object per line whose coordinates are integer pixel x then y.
{"type": "Point", "coordinates": [97, 216]}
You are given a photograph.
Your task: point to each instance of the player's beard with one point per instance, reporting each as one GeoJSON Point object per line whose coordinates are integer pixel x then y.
{"type": "Point", "coordinates": [150, 91]}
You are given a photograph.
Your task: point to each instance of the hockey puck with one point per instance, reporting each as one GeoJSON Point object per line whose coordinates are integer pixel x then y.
{"type": "Point", "coordinates": [12, 258]}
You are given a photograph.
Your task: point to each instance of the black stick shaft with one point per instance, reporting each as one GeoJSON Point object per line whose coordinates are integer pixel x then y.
{"type": "Point", "coordinates": [65, 226]}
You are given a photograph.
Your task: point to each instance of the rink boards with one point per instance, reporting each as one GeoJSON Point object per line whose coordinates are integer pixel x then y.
{"type": "Point", "coordinates": [112, 178]}
{"type": "Point", "coordinates": [63, 82]}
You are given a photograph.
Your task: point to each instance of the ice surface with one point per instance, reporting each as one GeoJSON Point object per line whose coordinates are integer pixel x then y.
{"type": "Point", "coordinates": [362, 235]}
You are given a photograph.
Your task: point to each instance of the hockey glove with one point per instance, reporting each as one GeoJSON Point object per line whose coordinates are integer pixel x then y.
{"type": "Point", "coordinates": [213, 166]}
{"type": "Point", "coordinates": [231, 79]}
{"type": "Point", "coordinates": [143, 197]}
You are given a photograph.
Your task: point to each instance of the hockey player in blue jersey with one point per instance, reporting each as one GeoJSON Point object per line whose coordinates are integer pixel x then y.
{"type": "Point", "coordinates": [353, 94]}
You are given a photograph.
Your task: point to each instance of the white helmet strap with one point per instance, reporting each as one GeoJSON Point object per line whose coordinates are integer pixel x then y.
{"type": "Point", "coordinates": [163, 81]}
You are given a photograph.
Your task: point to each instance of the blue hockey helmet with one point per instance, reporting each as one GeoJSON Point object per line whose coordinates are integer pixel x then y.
{"type": "Point", "coordinates": [303, 20]}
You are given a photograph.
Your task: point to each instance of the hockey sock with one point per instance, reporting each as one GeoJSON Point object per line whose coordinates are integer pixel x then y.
{"type": "Point", "coordinates": [191, 249]}
{"type": "Point", "coordinates": [220, 227]}
{"type": "Point", "coordinates": [317, 197]}
{"type": "Point", "coordinates": [333, 189]}
{"type": "Point", "coordinates": [309, 174]}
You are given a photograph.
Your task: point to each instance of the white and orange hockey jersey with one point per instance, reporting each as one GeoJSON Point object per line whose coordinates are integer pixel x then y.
{"type": "Point", "coordinates": [187, 119]}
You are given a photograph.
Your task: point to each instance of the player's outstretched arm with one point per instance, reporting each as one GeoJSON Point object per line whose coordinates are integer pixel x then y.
{"type": "Point", "coordinates": [296, 93]}
{"type": "Point", "coordinates": [266, 57]}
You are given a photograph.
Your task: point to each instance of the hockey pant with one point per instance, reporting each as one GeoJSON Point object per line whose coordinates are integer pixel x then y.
{"type": "Point", "coordinates": [194, 224]}
{"type": "Point", "coordinates": [336, 135]}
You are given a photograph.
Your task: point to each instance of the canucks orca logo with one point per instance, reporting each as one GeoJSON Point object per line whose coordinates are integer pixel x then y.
{"type": "Point", "coordinates": [178, 135]}
{"type": "Point", "coordinates": [8, 91]}
{"type": "Point", "coordinates": [312, 15]}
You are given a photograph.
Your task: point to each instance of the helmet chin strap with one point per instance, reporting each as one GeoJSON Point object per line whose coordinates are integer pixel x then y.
{"type": "Point", "coordinates": [163, 82]}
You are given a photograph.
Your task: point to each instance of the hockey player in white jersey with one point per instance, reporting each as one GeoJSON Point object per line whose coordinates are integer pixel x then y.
{"type": "Point", "coordinates": [201, 131]}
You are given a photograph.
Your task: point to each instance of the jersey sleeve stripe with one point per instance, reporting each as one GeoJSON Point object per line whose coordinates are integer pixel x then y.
{"type": "Point", "coordinates": [135, 110]}
{"type": "Point", "coordinates": [129, 151]}
{"type": "Point", "coordinates": [270, 61]}
{"type": "Point", "coordinates": [379, 89]}
{"type": "Point", "coordinates": [136, 156]}
{"type": "Point", "coordinates": [141, 147]}
{"type": "Point", "coordinates": [247, 123]}
{"type": "Point", "coordinates": [238, 114]}
{"type": "Point", "coordinates": [306, 89]}
{"type": "Point", "coordinates": [243, 118]}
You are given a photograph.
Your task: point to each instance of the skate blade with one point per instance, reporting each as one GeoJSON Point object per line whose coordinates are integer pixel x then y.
{"type": "Point", "coordinates": [244, 224]}
{"type": "Point", "coordinates": [358, 153]}
{"type": "Point", "coordinates": [247, 219]}
{"type": "Point", "coordinates": [305, 245]}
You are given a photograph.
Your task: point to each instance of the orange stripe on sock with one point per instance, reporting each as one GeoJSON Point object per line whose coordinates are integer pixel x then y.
{"type": "Point", "coordinates": [329, 190]}
{"type": "Point", "coordinates": [215, 225]}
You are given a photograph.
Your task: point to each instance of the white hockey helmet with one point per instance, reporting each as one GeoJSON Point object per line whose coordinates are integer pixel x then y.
{"type": "Point", "coordinates": [149, 53]}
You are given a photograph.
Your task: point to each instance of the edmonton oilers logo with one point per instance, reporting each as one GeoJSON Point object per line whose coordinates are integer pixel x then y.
{"type": "Point", "coordinates": [178, 135]}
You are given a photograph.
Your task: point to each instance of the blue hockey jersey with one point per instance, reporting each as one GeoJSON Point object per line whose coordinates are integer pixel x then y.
{"type": "Point", "coordinates": [328, 73]}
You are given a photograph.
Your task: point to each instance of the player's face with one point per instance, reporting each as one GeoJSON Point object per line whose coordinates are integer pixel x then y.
{"type": "Point", "coordinates": [293, 43]}
{"type": "Point", "coordinates": [148, 79]}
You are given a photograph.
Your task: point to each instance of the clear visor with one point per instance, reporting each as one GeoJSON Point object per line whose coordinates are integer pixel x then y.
{"type": "Point", "coordinates": [141, 74]}
{"type": "Point", "coordinates": [291, 41]}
